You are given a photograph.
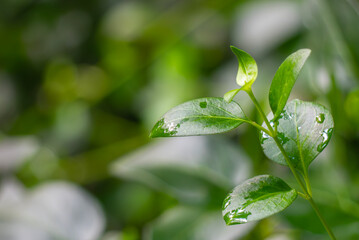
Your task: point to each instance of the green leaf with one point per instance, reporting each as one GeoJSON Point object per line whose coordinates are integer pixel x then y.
{"type": "Point", "coordinates": [284, 80]}
{"type": "Point", "coordinates": [247, 68]}
{"type": "Point", "coordinates": [257, 198]}
{"type": "Point", "coordinates": [228, 96]}
{"type": "Point", "coordinates": [304, 129]}
{"type": "Point", "coordinates": [199, 117]}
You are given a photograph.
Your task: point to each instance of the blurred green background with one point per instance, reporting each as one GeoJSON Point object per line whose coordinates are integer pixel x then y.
{"type": "Point", "coordinates": [82, 83]}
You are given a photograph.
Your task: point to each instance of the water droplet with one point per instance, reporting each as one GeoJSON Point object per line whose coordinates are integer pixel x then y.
{"type": "Point", "coordinates": [203, 104]}
{"type": "Point", "coordinates": [226, 202]}
{"type": "Point", "coordinates": [281, 115]}
{"type": "Point", "coordinates": [263, 136]}
{"type": "Point", "coordinates": [236, 216]}
{"type": "Point", "coordinates": [299, 129]}
{"type": "Point", "coordinates": [327, 134]}
{"type": "Point", "coordinates": [170, 128]}
{"type": "Point", "coordinates": [285, 115]}
{"type": "Point", "coordinates": [320, 118]}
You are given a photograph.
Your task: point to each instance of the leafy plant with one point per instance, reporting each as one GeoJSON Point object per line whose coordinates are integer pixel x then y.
{"type": "Point", "coordinates": [293, 134]}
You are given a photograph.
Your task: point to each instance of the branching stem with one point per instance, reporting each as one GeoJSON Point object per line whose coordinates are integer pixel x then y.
{"type": "Point", "coordinates": [258, 126]}
{"type": "Point", "coordinates": [306, 188]}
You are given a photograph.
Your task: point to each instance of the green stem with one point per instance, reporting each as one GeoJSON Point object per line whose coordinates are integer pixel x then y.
{"type": "Point", "coordinates": [259, 108]}
{"type": "Point", "coordinates": [327, 228]}
{"type": "Point", "coordinates": [305, 196]}
{"type": "Point", "coordinates": [307, 188]}
{"type": "Point", "coordinates": [307, 183]}
{"type": "Point", "coordinates": [289, 163]}
{"type": "Point", "coordinates": [258, 126]}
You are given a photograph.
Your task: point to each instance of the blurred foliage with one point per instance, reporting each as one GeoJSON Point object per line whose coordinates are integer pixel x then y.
{"type": "Point", "coordinates": [82, 82]}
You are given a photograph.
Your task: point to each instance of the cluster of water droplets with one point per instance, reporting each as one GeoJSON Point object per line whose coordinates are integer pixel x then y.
{"type": "Point", "coordinates": [227, 201]}
{"type": "Point", "coordinates": [281, 136]}
{"type": "Point", "coordinates": [284, 114]}
{"type": "Point", "coordinates": [326, 134]}
{"type": "Point", "coordinates": [237, 216]}
{"type": "Point", "coordinates": [168, 127]}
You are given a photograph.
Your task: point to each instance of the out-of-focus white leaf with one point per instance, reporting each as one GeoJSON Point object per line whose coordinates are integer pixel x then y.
{"type": "Point", "coordinates": [193, 224]}
{"type": "Point", "coordinates": [11, 192]}
{"type": "Point", "coordinates": [168, 164]}
{"type": "Point", "coordinates": [57, 210]}
{"type": "Point", "coordinates": [14, 151]}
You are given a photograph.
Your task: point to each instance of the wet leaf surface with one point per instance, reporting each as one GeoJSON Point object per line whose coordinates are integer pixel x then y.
{"type": "Point", "coordinates": [257, 198]}
{"type": "Point", "coordinates": [189, 169]}
{"type": "Point", "coordinates": [199, 117]}
{"type": "Point", "coordinates": [304, 129]}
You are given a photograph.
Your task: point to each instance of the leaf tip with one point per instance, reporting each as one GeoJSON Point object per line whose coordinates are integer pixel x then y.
{"type": "Point", "coordinates": [305, 52]}
{"type": "Point", "coordinates": [228, 96]}
{"type": "Point", "coordinates": [160, 130]}
{"type": "Point", "coordinates": [233, 48]}
{"type": "Point", "coordinates": [153, 134]}
{"type": "Point", "coordinates": [247, 67]}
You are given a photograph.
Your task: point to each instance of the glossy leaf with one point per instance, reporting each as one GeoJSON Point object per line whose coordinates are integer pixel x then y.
{"type": "Point", "coordinates": [284, 80]}
{"type": "Point", "coordinates": [199, 117]}
{"type": "Point", "coordinates": [304, 129]}
{"type": "Point", "coordinates": [247, 68]}
{"type": "Point", "coordinates": [257, 198]}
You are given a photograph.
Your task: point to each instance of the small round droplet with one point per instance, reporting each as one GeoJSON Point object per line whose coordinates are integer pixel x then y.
{"type": "Point", "coordinates": [320, 118]}
{"type": "Point", "coordinates": [263, 136]}
{"type": "Point", "coordinates": [203, 104]}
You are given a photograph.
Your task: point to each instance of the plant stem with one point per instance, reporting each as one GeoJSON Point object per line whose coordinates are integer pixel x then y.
{"type": "Point", "coordinates": [259, 108]}
{"type": "Point", "coordinates": [307, 183]}
{"type": "Point", "coordinates": [307, 188]}
{"type": "Point", "coordinates": [289, 163]}
{"type": "Point", "coordinates": [258, 126]}
{"type": "Point", "coordinates": [327, 228]}
{"type": "Point", "coordinates": [305, 196]}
